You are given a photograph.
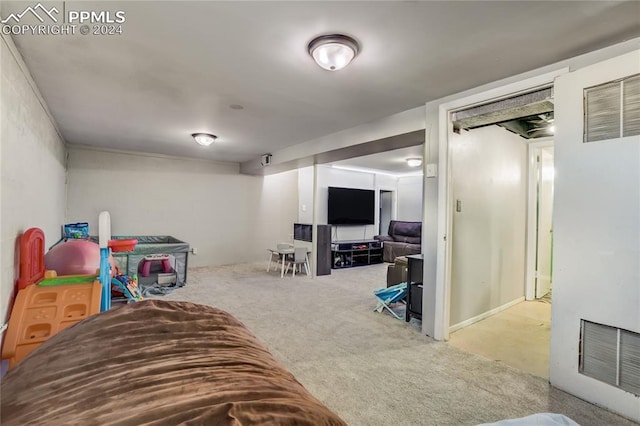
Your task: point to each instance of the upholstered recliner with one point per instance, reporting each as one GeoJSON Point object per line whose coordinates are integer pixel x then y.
{"type": "Point", "coordinates": [404, 238]}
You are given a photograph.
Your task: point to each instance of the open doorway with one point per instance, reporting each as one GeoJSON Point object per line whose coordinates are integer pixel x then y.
{"type": "Point", "coordinates": [386, 210]}
{"type": "Point", "coordinates": [543, 181]}
{"type": "Point", "coordinates": [500, 233]}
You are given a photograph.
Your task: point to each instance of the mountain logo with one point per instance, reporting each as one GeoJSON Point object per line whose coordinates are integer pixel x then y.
{"type": "Point", "coordinates": [34, 11]}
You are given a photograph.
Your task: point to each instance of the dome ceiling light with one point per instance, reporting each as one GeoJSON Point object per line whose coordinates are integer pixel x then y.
{"type": "Point", "coordinates": [204, 139]}
{"type": "Point", "coordinates": [414, 162]}
{"type": "Point", "coordinates": [334, 51]}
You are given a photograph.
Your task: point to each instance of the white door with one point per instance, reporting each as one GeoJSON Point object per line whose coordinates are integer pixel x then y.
{"type": "Point", "coordinates": [596, 223]}
{"type": "Point", "coordinates": [544, 249]}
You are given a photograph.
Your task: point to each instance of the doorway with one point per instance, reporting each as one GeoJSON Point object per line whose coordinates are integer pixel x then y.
{"type": "Point", "coordinates": [519, 334]}
{"type": "Point", "coordinates": [493, 224]}
{"type": "Point", "coordinates": [386, 210]}
{"type": "Point", "coordinates": [544, 221]}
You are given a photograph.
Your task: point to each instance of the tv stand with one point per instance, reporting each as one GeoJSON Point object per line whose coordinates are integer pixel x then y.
{"type": "Point", "coordinates": [346, 254]}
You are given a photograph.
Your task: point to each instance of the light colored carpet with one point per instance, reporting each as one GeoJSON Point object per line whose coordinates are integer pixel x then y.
{"type": "Point", "coordinates": [371, 368]}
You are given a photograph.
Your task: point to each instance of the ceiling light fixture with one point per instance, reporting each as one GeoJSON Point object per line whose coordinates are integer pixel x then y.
{"type": "Point", "coordinates": [414, 162]}
{"type": "Point", "coordinates": [334, 51]}
{"type": "Point", "coordinates": [204, 139]}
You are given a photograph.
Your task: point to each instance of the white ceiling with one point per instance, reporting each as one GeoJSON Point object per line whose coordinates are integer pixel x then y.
{"type": "Point", "coordinates": [180, 65]}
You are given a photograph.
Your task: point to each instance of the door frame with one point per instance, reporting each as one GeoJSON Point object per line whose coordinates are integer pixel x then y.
{"type": "Point", "coordinates": [532, 236]}
{"type": "Point", "coordinates": [445, 192]}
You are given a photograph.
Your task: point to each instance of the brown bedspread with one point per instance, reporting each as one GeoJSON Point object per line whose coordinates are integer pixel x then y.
{"type": "Point", "coordinates": [157, 362]}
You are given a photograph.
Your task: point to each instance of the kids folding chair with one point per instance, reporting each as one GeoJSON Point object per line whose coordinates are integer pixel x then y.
{"type": "Point", "coordinates": [387, 296]}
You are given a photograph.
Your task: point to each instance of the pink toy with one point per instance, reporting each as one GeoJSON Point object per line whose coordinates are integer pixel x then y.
{"type": "Point", "coordinates": [75, 257]}
{"type": "Point", "coordinates": [145, 268]}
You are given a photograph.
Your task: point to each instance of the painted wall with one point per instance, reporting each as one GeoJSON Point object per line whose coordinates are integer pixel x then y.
{"type": "Point", "coordinates": [596, 266]}
{"type": "Point", "coordinates": [305, 195]}
{"type": "Point", "coordinates": [277, 211]}
{"type": "Point", "coordinates": [32, 167]}
{"type": "Point", "coordinates": [409, 195]}
{"type": "Point", "coordinates": [228, 217]}
{"type": "Point", "coordinates": [329, 176]}
{"type": "Point", "coordinates": [489, 178]}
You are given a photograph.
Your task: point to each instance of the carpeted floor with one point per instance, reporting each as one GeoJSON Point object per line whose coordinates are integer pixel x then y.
{"type": "Point", "coordinates": [371, 368]}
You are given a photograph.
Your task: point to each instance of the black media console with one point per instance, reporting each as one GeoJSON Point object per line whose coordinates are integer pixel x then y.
{"type": "Point", "coordinates": [346, 254]}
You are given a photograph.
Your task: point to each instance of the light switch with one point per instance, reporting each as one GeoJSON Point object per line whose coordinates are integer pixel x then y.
{"type": "Point", "coordinates": [458, 206]}
{"type": "Point", "coordinates": [304, 207]}
{"type": "Point", "coordinates": [432, 170]}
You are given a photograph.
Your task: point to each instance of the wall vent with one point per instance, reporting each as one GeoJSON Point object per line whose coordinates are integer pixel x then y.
{"type": "Point", "coordinates": [612, 110]}
{"type": "Point", "coordinates": [611, 355]}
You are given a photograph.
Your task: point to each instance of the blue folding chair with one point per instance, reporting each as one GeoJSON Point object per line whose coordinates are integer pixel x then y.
{"type": "Point", "coordinates": [387, 296]}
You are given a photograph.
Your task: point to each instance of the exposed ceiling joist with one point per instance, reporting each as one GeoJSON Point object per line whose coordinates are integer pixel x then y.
{"type": "Point", "coordinates": [526, 105]}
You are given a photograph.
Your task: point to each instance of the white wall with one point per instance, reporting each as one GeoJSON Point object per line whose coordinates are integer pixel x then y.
{"type": "Point", "coordinates": [228, 217]}
{"type": "Point", "coordinates": [32, 166]}
{"type": "Point", "coordinates": [489, 179]}
{"type": "Point", "coordinates": [329, 176]}
{"type": "Point", "coordinates": [305, 195]}
{"type": "Point", "coordinates": [409, 196]}
{"type": "Point", "coordinates": [596, 266]}
{"type": "Point", "coordinates": [277, 211]}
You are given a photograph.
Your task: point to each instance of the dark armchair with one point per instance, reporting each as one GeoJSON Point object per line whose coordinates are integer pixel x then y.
{"type": "Point", "coordinates": [404, 238]}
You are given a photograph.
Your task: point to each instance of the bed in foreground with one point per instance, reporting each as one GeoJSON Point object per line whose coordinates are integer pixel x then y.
{"type": "Point", "coordinates": [157, 362]}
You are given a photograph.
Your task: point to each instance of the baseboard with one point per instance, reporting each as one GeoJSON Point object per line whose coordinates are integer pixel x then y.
{"type": "Point", "coordinates": [484, 315]}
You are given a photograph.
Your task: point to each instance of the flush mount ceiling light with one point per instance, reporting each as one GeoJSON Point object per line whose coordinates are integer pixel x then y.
{"type": "Point", "coordinates": [204, 139]}
{"type": "Point", "coordinates": [414, 162]}
{"type": "Point", "coordinates": [334, 51]}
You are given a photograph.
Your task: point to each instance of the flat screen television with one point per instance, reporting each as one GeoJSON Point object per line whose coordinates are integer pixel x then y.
{"type": "Point", "coordinates": [348, 206]}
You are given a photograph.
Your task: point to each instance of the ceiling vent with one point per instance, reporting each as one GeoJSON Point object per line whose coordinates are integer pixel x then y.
{"type": "Point", "coordinates": [530, 115]}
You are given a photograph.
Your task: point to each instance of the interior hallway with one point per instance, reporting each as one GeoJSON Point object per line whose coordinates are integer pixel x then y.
{"type": "Point", "coordinates": [518, 336]}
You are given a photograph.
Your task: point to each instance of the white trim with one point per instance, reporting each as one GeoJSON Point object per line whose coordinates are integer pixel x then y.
{"type": "Point", "coordinates": [487, 314]}
{"type": "Point", "coordinates": [443, 261]}
{"type": "Point", "coordinates": [530, 249]}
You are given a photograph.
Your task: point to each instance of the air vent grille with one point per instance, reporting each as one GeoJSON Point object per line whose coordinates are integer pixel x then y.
{"type": "Point", "coordinates": [630, 361]}
{"type": "Point", "coordinates": [611, 355]}
{"type": "Point", "coordinates": [631, 106]}
{"type": "Point", "coordinates": [612, 110]}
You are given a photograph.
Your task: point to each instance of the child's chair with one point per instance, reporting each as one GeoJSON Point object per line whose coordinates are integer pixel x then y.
{"type": "Point", "coordinates": [275, 254]}
{"type": "Point", "coordinates": [299, 258]}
